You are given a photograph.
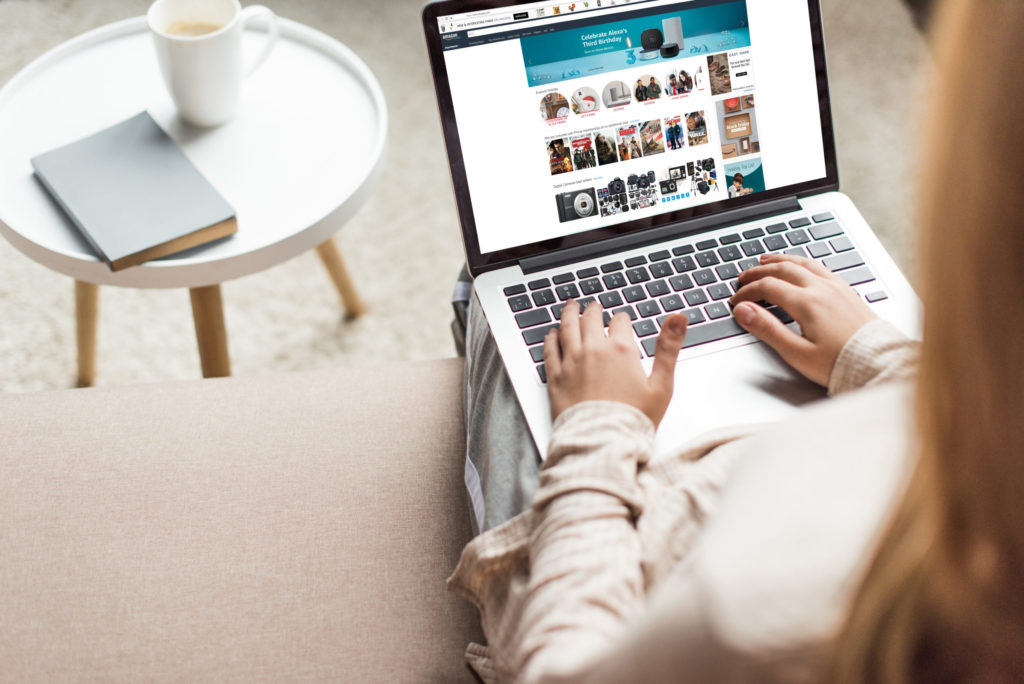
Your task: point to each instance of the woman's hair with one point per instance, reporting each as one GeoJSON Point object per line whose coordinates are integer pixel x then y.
{"type": "Point", "coordinates": [943, 598]}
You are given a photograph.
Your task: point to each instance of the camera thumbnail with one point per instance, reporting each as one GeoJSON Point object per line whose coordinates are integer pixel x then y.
{"type": "Point", "coordinates": [576, 204]}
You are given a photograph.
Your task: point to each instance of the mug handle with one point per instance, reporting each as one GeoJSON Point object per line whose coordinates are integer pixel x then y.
{"type": "Point", "coordinates": [251, 12]}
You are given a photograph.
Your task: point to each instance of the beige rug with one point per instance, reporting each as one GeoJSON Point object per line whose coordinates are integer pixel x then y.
{"type": "Point", "coordinates": [289, 317]}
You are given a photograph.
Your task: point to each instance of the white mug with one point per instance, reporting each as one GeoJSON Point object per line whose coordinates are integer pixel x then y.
{"type": "Point", "coordinates": [199, 48]}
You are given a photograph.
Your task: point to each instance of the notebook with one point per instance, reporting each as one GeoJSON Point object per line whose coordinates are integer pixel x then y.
{"type": "Point", "coordinates": [649, 205]}
{"type": "Point", "coordinates": [133, 194]}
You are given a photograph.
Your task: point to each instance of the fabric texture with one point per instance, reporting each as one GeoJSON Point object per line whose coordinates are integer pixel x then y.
{"type": "Point", "coordinates": [283, 528]}
{"type": "Point", "coordinates": [565, 588]}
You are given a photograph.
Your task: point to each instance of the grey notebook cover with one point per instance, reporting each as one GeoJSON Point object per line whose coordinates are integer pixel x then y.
{"type": "Point", "coordinates": [133, 193]}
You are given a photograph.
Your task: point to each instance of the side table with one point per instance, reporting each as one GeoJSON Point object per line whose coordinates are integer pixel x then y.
{"type": "Point", "coordinates": [301, 157]}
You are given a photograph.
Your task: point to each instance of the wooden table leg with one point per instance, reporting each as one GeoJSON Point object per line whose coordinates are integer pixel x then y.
{"type": "Point", "coordinates": [87, 299]}
{"type": "Point", "coordinates": [212, 335]}
{"type": "Point", "coordinates": [350, 299]}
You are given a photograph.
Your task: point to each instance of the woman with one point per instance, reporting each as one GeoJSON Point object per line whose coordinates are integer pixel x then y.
{"type": "Point", "coordinates": [821, 562]}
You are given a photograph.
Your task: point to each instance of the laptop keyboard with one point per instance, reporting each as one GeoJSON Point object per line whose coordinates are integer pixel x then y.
{"type": "Point", "coordinates": [693, 278]}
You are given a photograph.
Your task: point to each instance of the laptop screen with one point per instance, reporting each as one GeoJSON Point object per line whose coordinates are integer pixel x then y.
{"type": "Point", "coordinates": [596, 118]}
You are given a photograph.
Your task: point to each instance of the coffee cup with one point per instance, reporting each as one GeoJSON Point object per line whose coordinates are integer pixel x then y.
{"type": "Point", "coordinates": [199, 49]}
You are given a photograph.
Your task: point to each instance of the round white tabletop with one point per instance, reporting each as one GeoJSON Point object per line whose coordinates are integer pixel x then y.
{"type": "Point", "coordinates": [300, 158]}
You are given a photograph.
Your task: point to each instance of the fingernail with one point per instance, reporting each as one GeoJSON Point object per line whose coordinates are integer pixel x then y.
{"type": "Point", "coordinates": [744, 313]}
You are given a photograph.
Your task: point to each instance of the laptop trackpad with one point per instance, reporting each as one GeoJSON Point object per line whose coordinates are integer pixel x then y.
{"type": "Point", "coordinates": [738, 386]}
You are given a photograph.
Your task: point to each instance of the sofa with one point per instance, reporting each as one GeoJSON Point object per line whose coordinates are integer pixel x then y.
{"type": "Point", "coordinates": [288, 527]}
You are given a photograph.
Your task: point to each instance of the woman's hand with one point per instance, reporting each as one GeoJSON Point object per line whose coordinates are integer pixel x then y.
{"type": "Point", "coordinates": [585, 364]}
{"type": "Point", "coordinates": [828, 310]}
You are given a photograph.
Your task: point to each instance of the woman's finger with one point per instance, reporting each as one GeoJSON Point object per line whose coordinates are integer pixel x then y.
{"type": "Point", "coordinates": [764, 326]}
{"type": "Point", "coordinates": [775, 291]}
{"type": "Point", "coordinates": [810, 264]}
{"type": "Point", "coordinates": [666, 352]}
{"type": "Point", "coordinates": [592, 324]}
{"type": "Point", "coordinates": [783, 270]}
{"type": "Point", "coordinates": [569, 329]}
{"type": "Point", "coordinates": [621, 328]}
{"type": "Point", "coordinates": [552, 354]}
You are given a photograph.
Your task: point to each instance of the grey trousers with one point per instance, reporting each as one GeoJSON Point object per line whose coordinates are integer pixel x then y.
{"type": "Point", "coordinates": [501, 460]}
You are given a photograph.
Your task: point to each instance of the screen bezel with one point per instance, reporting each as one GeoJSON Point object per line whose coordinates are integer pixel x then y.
{"type": "Point", "coordinates": [478, 262]}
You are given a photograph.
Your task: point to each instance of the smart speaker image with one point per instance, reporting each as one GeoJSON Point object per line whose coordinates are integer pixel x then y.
{"type": "Point", "coordinates": [672, 29]}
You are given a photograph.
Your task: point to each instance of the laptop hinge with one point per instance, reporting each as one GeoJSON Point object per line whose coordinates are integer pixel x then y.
{"type": "Point", "coordinates": [572, 255]}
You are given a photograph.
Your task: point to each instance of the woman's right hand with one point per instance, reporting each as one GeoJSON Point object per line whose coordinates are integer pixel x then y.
{"type": "Point", "coordinates": [828, 310]}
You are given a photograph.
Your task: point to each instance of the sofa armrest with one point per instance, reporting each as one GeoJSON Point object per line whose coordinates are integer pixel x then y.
{"type": "Point", "coordinates": [295, 526]}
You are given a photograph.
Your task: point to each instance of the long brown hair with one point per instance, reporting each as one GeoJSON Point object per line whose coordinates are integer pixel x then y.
{"type": "Point", "coordinates": [943, 599]}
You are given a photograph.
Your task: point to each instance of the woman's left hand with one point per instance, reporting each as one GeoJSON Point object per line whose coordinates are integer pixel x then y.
{"type": "Point", "coordinates": [584, 364]}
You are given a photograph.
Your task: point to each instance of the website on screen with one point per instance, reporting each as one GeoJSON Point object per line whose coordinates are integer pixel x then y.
{"type": "Point", "coordinates": [575, 117]}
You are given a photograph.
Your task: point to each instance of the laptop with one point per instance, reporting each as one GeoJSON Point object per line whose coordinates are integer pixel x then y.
{"type": "Point", "coordinates": [643, 153]}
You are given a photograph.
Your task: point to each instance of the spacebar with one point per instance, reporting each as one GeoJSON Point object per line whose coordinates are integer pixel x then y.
{"type": "Point", "coordinates": [702, 334]}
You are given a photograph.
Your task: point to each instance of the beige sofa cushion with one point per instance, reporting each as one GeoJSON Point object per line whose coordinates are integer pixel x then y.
{"type": "Point", "coordinates": [287, 527]}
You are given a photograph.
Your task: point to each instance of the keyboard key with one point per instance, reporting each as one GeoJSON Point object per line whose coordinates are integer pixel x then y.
{"type": "Point", "coordinates": [707, 258]}
{"type": "Point", "coordinates": [543, 297]}
{"type": "Point", "coordinates": [876, 296]}
{"type": "Point", "coordinates": [614, 280]}
{"type": "Point", "coordinates": [591, 286]}
{"type": "Point", "coordinates": [799, 222]}
{"type": "Point", "coordinates": [753, 233]}
{"type": "Point", "coordinates": [648, 308]}
{"type": "Point", "coordinates": [730, 253]}
{"type": "Point", "coordinates": [818, 249]}
{"type": "Point", "coordinates": [563, 278]}
{"type": "Point", "coordinates": [634, 293]}
{"type": "Point", "coordinates": [712, 332]}
{"type": "Point", "coordinates": [638, 275]}
{"type": "Point", "coordinates": [680, 282]}
{"type": "Point", "coordinates": [718, 330]}
{"type": "Point", "coordinates": [528, 319]}
{"type": "Point", "coordinates": [717, 310]}
{"type": "Point", "coordinates": [672, 303]}
{"type": "Point", "coordinates": [682, 250]}
{"type": "Point", "coordinates": [583, 302]}
{"type": "Point", "coordinates": [660, 270]}
{"type": "Point", "coordinates": [796, 251]}
{"type": "Point", "coordinates": [543, 373]}
{"type": "Point", "coordinates": [826, 230]}
{"type": "Point", "coordinates": [730, 239]}
{"type": "Point", "coordinates": [519, 303]}
{"type": "Point", "coordinates": [628, 310]}
{"type": "Point", "coordinates": [726, 271]}
{"type": "Point", "coordinates": [613, 266]}
{"type": "Point", "coordinates": [707, 244]}
{"type": "Point", "coordinates": [775, 242]}
{"type": "Point", "coordinates": [514, 290]}
{"type": "Point", "coordinates": [536, 335]}
{"type": "Point", "coordinates": [704, 277]}
{"type": "Point", "coordinates": [610, 299]}
{"type": "Point", "coordinates": [719, 291]}
{"type": "Point", "coordinates": [660, 255]}
{"type": "Point", "coordinates": [841, 244]}
{"type": "Point", "coordinates": [749, 263]}
{"type": "Point", "coordinates": [684, 264]}
{"type": "Point", "coordinates": [587, 272]}
{"type": "Point", "coordinates": [843, 261]}
{"type": "Point", "coordinates": [696, 297]}
{"type": "Point", "coordinates": [694, 316]}
{"type": "Point", "coordinates": [777, 228]}
{"type": "Point", "coordinates": [537, 353]}
{"type": "Point", "coordinates": [797, 237]}
{"type": "Point", "coordinates": [645, 327]}
{"type": "Point", "coordinates": [537, 284]}
{"type": "Point", "coordinates": [752, 248]}
{"type": "Point", "coordinates": [636, 261]}
{"type": "Point", "coordinates": [734, 285]}
{"type": "Point", "coordinates": [567, 291]}
{"type": "Point", "coordinates": [857, 276]}
{"type": "Point", "coordinates": [657, 288]}
{"type": "Point", "coordinates": [826, 216]}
